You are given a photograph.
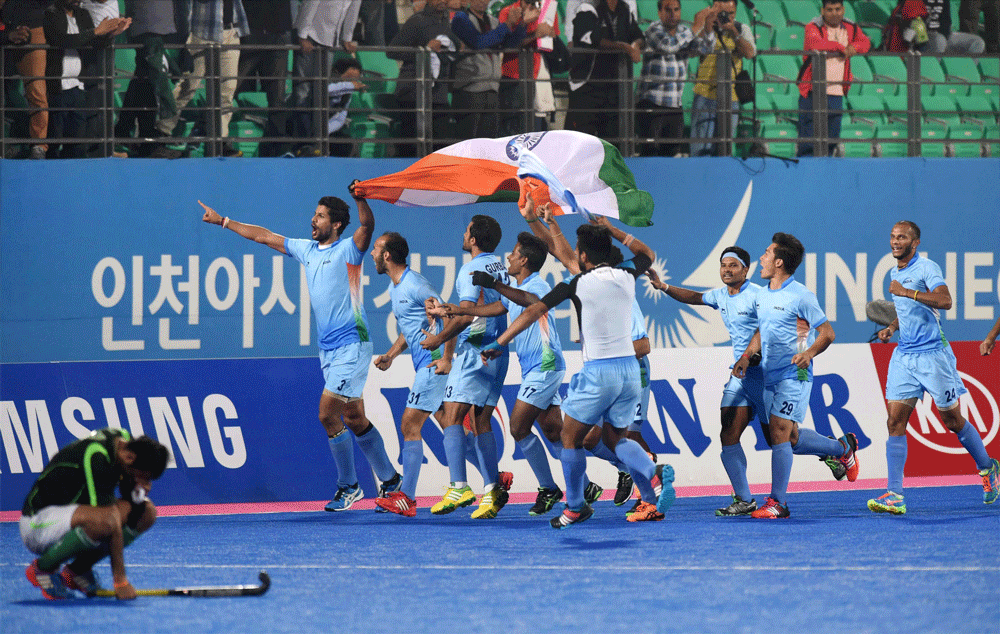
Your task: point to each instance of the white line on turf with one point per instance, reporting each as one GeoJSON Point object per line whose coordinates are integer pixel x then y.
{"type": "Point", "coordinates": [644, 568]}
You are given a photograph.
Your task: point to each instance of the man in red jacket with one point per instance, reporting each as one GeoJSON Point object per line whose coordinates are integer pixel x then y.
{"type": "Point", "coordinates": [842, 40]}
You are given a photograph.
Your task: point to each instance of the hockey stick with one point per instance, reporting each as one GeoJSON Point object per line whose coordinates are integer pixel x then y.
{"type": "Point", "coordinates": [207, 591]}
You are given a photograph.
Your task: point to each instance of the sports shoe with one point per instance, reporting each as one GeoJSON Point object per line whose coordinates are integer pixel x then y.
{"type": "Point", "coordinates": [667, 495]}
{"type": "Point", "coordinates": [888, 502]}
{"type": "Point", "coordinates": [592, 493]}
{"type": "Point", "coordinates": [771, 510]}
{"type": "Point", "coordinates": [638, 503]}
{"type": "Point", "coordinates": [344, 498]}
{"type": "Point", "coordinates": [567, 518]}
{"type": "Point", "coordinates": [624, 490]}
{"type": "Point", "coordinates": [545, 500]}
{"type": "Point", "coordinates": [645, 512]}
{"type": "Point", "coordinates": [838, 469]}
{"type": "Point", "coordinates": [850, 459]}
{"type": "Point", "coordinates": [991, 482]}
{"type": "Point", "coordinates": [86, 582]}
{"type": "Point", "coordinates": [453, 499]}
{"type": "Point", "coordinates": [391, 485]}
{"type": "Point", "coordinates": [397, 502]}
{"type": "Point", "coordinates": [505, 479]}
{"type": "Point", "coordinates": [738, 507]}
{"type": "Point", "coordinates": [51, 583]}
{"type": "Point", "coordinates": [491, 503]}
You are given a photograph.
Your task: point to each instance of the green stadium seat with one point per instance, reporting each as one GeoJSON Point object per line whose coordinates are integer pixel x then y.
{"type": "Point", "coordinates": [780, 138]}
{"type": "Point", "coordinates": [800, 13]}
{"type": "Point", "coordinates": [933, 136]}
{"type": "Point", "coordinates": [789, 38]}
{"type": "Point", "coordinates": [771, 88]}
{"type": "Point", "coordinates": [990, 93]}
{"type": "Point", "coordinates": [763, 36]}
{"type": "Point", "coordinates": [975, 106]}
{"type": "Point", "coordinates": [870, 108]}
{"type": "Point", "coordinates": [893, 144]}
{"type": "Point", "coordinates": [856, 139]}
{"type": "Point", "coordinates": [870, 13]}
{"type": "Point", "coordinates": [378, 71]}
{"type": "Point", "coordinates": [783, 66]}
{"type": "Point", "coordinates": [786, 106]}
{"type": "Point", "coordinates": [966, 140]}
{"type": "Point", "coordinates": [932, 80]}
{"type": "Point", "coordinates": [689, 8]}
{"type": "Point", "coordinates": [874, 35]}
{"type": "Point", "coordinates": [648, 10]}
{"type": "Point", "coordinates": [941, 107]}
{"type": "Point", "coordinates": [991, 139]}
{"type": "Point", "coordinates": [961, 72]}
{"type": "Point", "coordinates": [890, 67]}
{"type": "Point", "coordinates": [862, 72]}
{"type": "Point", "coordinates": [989, 68]}
{"type": "Point", "coordinates": [252, 100]}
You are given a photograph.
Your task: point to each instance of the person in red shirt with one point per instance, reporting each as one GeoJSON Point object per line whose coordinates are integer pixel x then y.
{"type": "Point", "coordinates": [511, 92]}
{"type": "Point", "coordinates": [899, 34]}
{"type": "Point", "coordinates": [842, 39]}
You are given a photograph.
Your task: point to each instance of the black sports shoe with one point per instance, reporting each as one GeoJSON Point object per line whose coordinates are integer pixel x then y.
{"type": "Point", "coordinates": [567, 518]}
{"type": "Point", "coordinates": [392, 484]}
{"type": "Point", "coordinates": [545, 500]}
{"type": "Point", "coordinates": [638, 501]}
{"type": "Point", "coordinates": [738, 507]}
{"type": "Point", "coordinates": [592, 493]}
{"type": "Point", "coordinates": [624, 491]}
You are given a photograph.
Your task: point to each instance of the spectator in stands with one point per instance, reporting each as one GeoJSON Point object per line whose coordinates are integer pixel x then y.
{"type": "Point", "coordinates": [430, 28]}
{"type": "Point", "coordinates": [149, 99]}
{"type": "Point", "coordinates": [71, 66]}
{"type": "Point", "coordinates": [348, 72]}
{"type": "Point", "coordinates": [572, 6]}
{"type": "Point", "coordinates": [270, 24]}
{"type": "Point", "coordinates": [12, 98]}
{"type": "Point", "coordinates": [30, 65]}
{"type": "Point", "coordinates": [475, 91]}
{"type": "Point", "coordinates": [716, 28]}
{"type": "Point", "coordinates": [607, 26]}
{"type": "Point", "coordinates": [321, 28]}
{"type": "Point", "coordinates": [906, 27]}
{"type": "Point", "coordinates": [664, 73]}
{"type": "Point", "coordinates": [220, 22]}
{"type": "Point", "coordinates": [512, 93]}
{"type": "Point", "coordinates": [101, 9]}
{"type": "Point", "coordinates": [940, 37]}
{"type": "Point", "coordinates": [968, 18]}
{"type": "Point", "coordinates": [842, 39]}
{"type": "Point", "coordinates": [379, 22]}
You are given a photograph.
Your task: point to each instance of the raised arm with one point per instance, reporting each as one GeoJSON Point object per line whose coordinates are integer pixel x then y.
{"type": "Point", "coordinates": [363, 234]}
{"type": "Point", "coordinates": [634, 244]}
{"type": "Point", "coordinates": [250, 232]}
{"type": "Point", "coordinates": [683, 295]}
{"type": "Point", "coordinates": [559, 246]}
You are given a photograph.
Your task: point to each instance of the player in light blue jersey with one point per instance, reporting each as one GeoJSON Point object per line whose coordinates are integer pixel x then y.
{"type": "Point", "coordinates": [792, 329]}
{"type": "Point", "coordinates": [409, 293]}
{"type": "Point", "coordinates": [473, 385]}
{"type": "Point", "coordinates": [922, 362]}
{"type": "Point", "coordinates": [333, 273]}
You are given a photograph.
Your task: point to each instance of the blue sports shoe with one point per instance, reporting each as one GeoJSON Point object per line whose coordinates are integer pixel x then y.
{"type": "Point", "coordinates": [50, 583]}
{"type": "Point", "coordinates": [667, 493]}
{"type": "Point", "coordinates": [86, 582]}
{"type": "Point", "coordinates": [991, 482]}
{"type": "Point", "coordinates": [345, 497]}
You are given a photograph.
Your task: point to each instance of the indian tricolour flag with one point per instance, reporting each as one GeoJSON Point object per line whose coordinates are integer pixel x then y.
{"type": "Point", "coordinates": [486, 170]}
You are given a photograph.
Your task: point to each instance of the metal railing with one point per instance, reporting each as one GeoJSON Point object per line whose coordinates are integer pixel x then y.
{"type": "Point", "coordinates": [373, 118]}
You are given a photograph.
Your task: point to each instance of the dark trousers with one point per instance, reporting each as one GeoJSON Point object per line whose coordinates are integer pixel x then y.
{"type": "Point", "coordinates": [67, 118]}
{"type": "Point", "coordinates": [662, 123]}
{"type": "Point", "coordinates": [150, 95]}
{"type": "Point", "coordinates": [475, 114]}
{"type": "Point", "coordinates": [271, 69]}
{"type": "Point", "coordinates": [442, 126]}
{"type": "Point", "coordinates": [593, 108]}
{"type": "Point", "coordinates": [835, 106]}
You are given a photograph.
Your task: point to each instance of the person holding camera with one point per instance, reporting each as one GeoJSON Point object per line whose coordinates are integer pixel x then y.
{"type": "Point", "coordinates": [716, 30]}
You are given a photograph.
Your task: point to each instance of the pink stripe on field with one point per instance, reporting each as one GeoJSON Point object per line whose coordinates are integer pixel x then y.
{"type": "Point", "coordinates": [527, 498]}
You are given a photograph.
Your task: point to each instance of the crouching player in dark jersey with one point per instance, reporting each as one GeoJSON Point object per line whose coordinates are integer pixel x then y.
{"type": "Point", "coordinates": [71, 512]}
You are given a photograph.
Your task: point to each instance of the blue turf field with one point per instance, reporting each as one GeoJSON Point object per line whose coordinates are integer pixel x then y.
{"type": "Point", "coordinates": [832, 567]}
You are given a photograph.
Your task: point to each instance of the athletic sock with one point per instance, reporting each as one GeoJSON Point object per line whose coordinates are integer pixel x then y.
{"type": "Point", "coordinates": [454, 452]}
{"type": "Point", "coordinates": [895, 458]}
{"type": "Point", "coordinates": [639, 465]}
{"type": "Point", "coordinates": [73, 543]}
{"type": "Point", "coordinates": [812, 443]}
{"type": "Point", "coordinates": [557, 451]}
{"type": "Point", "coordinates": [372, 445]}
{"type": "Point", "coordinates": [486, 447]}
{"type": "Point", "coordinates": [781, 471]}
{"type": "Point", "coordinates": [734, 459]}
{"type": "Point", "coordinates": [86, 560]}
{"type": "Point", "coordinates": [472, 454]}
{"type": "Point", "coordinates": [970, 439]}
{"type": "Point", "coordinates": [574, 464]}
{"type": "Point", "coordinates": [413, 457]}
{"type": "Point", "coordinates": [601, 451]}
{"type": "Point", "coordinates": [343, 456]}
{"type": "Point", "coordinates": [538, 460]}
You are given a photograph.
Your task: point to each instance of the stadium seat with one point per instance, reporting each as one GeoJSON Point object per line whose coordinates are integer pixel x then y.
{"type": "Point", "coordinates": [941, 107]}
{"type": "Point", "coordinates": [893, 144]}
{"type": "Point", "coordinates": [780, 138]}
{"type": "Point", "coordinates": [874, 35]}
{"type": "Point", "coordinates": [763, 36]}
{"type": "Point", "coordinates": [691, 7]}
{"type": "Point", "coordinates": [932, 80]}
{"type": "Point", "coordinates": [966, 140]}
{"type": "Point", "coordinates": [786, 106]}
{"type": "Point", "coordinates": [800, 13]}
{"type": "Point", "coordinates": [770, 11]}
{"type": "Point", "coordinates": [243, 135]}
{"type": "Point", "coordinates": [856, 139]}
{"type": "Point", "coordinates": [379, 72]}
{"type": "Point", "coordinates": [961, 72]}
{"type": "Point", "coordinates": [989, 68]}
{"type": "Point", "coordinates": [849, 13]}
{"type": "Point", "coordinates": [890, 67]}
{"type": "Point", "coordinates": [648, 11]}
{"type": "Point", "coordinates": [784, 66]}
{"type": "Point", "coordinates": [789, 38]}
{"type": "Point", "coordinates": [976, 106]}
{"type": "Point", "coordinates": [933, 136]}
{"type": "Point", "coordinates": [862, 73]}
{"type": "Point", "coordinates": [869, 108]}
{"type": "Point", "coordinates": [870, 14]}
{"type": "Point", "coordinates": [991, 139]}
{"type": "Point", "coordinates": [988, 93]}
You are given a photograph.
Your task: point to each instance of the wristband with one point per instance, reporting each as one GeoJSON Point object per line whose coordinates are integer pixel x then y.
{"type": "Point", "coordinates": [535, 219]}
{"type": "Point", "coordinates": [914, 295]}
{"type": "Point", "coordinates": [121, 584]}
{"type": "Point", "coordinates": [225, 222]}
{"type": "Point", "coordinates": [627, 240]}
{"type": "Point", "coordinates": [744, 356]}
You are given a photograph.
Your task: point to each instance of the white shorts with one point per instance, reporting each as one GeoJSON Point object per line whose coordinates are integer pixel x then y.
{"type": "Point", "coordinates": [46, 527]}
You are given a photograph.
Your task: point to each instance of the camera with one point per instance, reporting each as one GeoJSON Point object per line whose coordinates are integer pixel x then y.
{"type": "Point", "coordinates": [723, 17]}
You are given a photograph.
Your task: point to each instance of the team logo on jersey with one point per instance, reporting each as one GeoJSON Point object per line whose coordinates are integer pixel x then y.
{"type": "Point", "coordinates": [528, 141]}
{"type": "Point", "coordinates": [978, 407]}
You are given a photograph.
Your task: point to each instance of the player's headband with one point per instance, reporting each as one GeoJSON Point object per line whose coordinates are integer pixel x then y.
{"type": "Point", "coordinates": [730, 254]}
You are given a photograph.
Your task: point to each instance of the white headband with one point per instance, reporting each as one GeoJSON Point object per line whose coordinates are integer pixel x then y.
{"type": "Point", "coordinates": [730, 254]}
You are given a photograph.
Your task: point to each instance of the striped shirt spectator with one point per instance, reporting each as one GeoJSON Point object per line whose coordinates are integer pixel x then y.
{"type": "Point", "coordinates": [665, 72]}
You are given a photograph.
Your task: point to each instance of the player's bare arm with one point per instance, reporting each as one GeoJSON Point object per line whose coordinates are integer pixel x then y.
{"type": "Point", "coordinates": [741, 365]}
{"type": "Point", "coordinates": [384, 361]}
{"type": "Point", "coordinates": [939, 298]}
{"type": "Point", "coordinates": [683, 295]}
{"type": "Point", "coordinates": [986, 346]}
{"type": "Point", "coordinates": [886, 333]}
{"type": "Point", "coordinates": [451, 329]}
{"type": "Point", "coordinates": [363, 234]}
{"type": "Point", "coordinates": [560, 246]}
{"type": "Point", "coordinates": [530, 315]}
{"type": "Point", "coordinates": [261, 235]}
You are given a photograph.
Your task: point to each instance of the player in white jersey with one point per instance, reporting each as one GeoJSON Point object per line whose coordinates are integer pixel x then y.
{"type": "Point", "coordinates": [409, 293]}
{"type": "Point", "coordinates": [607, 388]}
{"type": "Point", "coordinates": [333, 273]}
{"type": "Point", "coordinates": [923, 362]}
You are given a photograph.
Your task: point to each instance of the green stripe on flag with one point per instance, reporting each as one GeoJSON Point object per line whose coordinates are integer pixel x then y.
{"type": "Point", "coordinates": [635, 206]}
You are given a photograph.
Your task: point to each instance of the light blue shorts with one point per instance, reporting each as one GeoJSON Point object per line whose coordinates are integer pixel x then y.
{"type": "Point", "coordinates": [345, 369]}
{"type": "Point", "coordinates": [427, 392]}
{"type": "Point", "coordinates": [472, 382]}
{"type": "Point", "coordinates": [935, 372]}
{"type": "Point", "coordinates": [788, 399]}
{"type": "Point", "coordinates": [643, 408]}
{"type": "Point", "coordinates": [747, 392]}
{"type": "Point", "coordinates": [604, 390]}
{"type": "Point", "coordinates": [541, 388]}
